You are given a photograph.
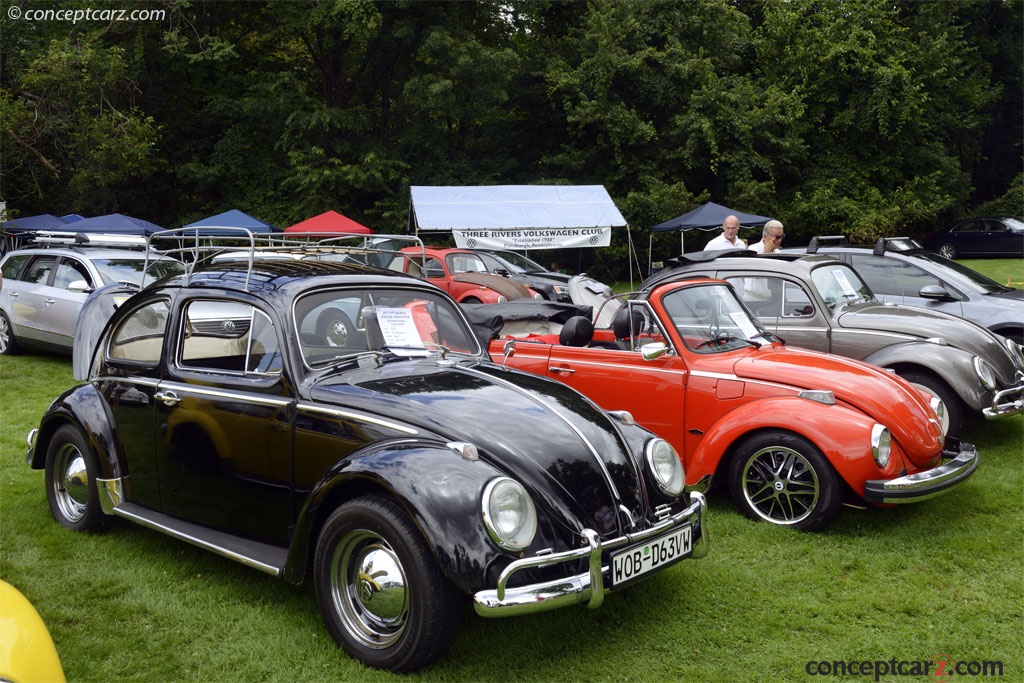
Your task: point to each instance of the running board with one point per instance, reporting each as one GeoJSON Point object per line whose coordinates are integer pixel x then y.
{"type": "Point", "coordinates": [269, 559]}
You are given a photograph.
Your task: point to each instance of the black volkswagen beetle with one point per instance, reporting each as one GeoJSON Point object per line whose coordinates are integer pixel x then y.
{"type": "Point", "coordinates": [341, 422]}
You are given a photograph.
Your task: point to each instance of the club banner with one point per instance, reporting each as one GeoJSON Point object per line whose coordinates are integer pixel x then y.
{"type": "Point", "coordinates": [523, 238]}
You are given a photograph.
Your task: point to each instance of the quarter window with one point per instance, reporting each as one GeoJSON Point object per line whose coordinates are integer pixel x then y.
{"type": "Point", "coordinates": [140, 335]}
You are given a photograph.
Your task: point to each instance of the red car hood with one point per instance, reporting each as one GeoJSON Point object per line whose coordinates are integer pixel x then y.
{"type": "Point", "coordinates": [889, 400]}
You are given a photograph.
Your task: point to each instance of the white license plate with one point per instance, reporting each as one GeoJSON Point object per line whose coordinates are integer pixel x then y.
{"type": "Point", "coordinates": [632, 563]}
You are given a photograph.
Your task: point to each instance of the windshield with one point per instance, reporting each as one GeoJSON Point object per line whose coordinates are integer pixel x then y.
{"type": "Point", "coordinates": [461, 262]}
{"type": "Point", "coordinates": [496, 264]}
{"type": "Point", "coordinates": [131, 270]}
{"type": "Point", "coordinates": [711, 319]}
{"type": "Point", "coordinates": [837, 283]}
{"type": "Point", "coordinates": [1015, 225]}
{"type": "Point", "coordinates": [521, 263]}
{"type": "Point", "coordinates": [943, 266]}
{"type": "Point", "coordinates": [342, 323]}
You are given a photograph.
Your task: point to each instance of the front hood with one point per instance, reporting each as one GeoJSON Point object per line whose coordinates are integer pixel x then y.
{"type": "Point", "coordinates": [923, 324]}
{"type": "Point", "coordinates": [887, 399]}
{"type": "Point", "coordinates": [510, 289]}
{"type": "Point", "coordinates": [557, 443]}
{"type": "Point", "coordinates": [1013, 295]}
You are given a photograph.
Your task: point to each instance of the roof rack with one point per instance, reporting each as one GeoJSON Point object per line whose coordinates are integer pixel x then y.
{"type": "Point", "coordinates": [195, 248]}
{"type": "Point", "coordinates": [885, 244]}
{"type": "Point", "coordinates": [57, 238]}
{"type": "Point", "coordinates": [840, 241]}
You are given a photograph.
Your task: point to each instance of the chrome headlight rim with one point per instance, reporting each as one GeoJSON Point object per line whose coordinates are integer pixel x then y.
{"type": "Point", "coordinates": [515, 532]}
{"type": "Point", "coordinates": [881, 445]}
{"type": "Point", "coordinates": [986, 373]}
{"type": "Point", "coordinates": [665, 467]}
{"type": "Point", "coordinates": [502, 299]}
{"type": "Point", "coordinates": [940, 412]}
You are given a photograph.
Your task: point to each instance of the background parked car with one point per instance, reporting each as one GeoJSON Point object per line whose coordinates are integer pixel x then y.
{"type": "Point", "coordinates": [45, 287]}
{"type": "Point", "coordinates": [463, 274]}
{"type": "Point", "coordinates": [899, 271]}
{"type": "Point", "coordinates": [1000, 236]}
{"type": "Point", "coordinates": [818, 302]}
{"type": "Point", "coordinates": [552, 285]}
{"type": "Point", "coordinates": [398, 468]}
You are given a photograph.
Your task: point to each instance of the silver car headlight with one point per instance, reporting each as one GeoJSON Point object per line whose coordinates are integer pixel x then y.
{"type": "Point", "coordinates": [538, 295]}
{"type": "Point", "coordinates": [665, 466]}
{"type": "Point", "coordinates": [502, 299]}
{"type": "Point", "coordinates": [509, 514]}
{"type": "Point", "coordinates": [985, 373]}
{"type": "Point", "coordinates": [881, 445]}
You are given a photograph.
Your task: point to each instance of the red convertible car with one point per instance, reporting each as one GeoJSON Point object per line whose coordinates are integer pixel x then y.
{"type": "Point", "coordinates": [795, 433]}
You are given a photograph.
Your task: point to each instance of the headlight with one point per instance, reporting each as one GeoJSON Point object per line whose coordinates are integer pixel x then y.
{"type": "Point", "coordinates": [940, 410]}
{"type": "Point", "coordinates": [561, 290]}
{"type": "Point", "coordinates": [502, 299]}
{"type": "Point", "coordinates": [985, 373]}
{"type": "Point", "coordinates": [665, 467]}
{"type": "Point", "coordinates": [538, 295]}
{"type": "Point", "coordinates": [509, 515]}
{"type": "Point", "coordinates": [881, 444]}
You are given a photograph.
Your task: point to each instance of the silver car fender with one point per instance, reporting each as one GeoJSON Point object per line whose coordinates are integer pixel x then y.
{"type": "Point", "coordinates": [954, 366]}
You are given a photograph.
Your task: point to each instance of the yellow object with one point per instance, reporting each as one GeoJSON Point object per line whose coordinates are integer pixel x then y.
{"type": "Point", "coordinates": [27, 653]}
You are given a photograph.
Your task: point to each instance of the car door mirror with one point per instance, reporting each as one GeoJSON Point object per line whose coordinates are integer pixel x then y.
{"type": "Point", "coordinates": [935, 292]}
{"type": "Point", "coordinates": [653, 350]}
{"type": "Point", "coordinates": [79, 287]}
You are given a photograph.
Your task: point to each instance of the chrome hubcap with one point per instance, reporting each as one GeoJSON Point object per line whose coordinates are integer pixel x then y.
{"type": "Point", "coordinates": [70, 483]}
{"type": "Point", "coordinates": [368, 587]}
{"type": "Point", "coordinates": [337, 333]}
{"type": "Point", "coordinates": [780, 485]}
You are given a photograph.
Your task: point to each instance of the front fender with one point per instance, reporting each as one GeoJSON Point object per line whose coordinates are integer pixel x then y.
{"type": "Point", "coordinates": [841, 433]}
{"type": "Point", "coordinates": [954, 366]}
{"type": "Point", "coordinates": [439, 490]}
{"type": "Point", "coordinates": [84, 407]}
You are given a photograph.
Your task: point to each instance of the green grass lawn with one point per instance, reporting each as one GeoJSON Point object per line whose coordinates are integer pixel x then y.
{"type": "Point", "coordinates": [939, 580]}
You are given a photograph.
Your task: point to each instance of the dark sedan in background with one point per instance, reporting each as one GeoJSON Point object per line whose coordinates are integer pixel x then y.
{"type": "Point", "coordinates": [991, 236]}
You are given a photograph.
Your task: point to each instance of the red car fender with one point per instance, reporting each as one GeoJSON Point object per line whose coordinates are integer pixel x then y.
{"type": "Point", "coordinates": [841, 433]}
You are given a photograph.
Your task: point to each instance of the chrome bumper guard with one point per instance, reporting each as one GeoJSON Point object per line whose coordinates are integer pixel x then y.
{"type": "Point", "coordinates": [959, 461]}
{"type": "Point", "coordinates": [1006, 402]}
{"type": "Point", "coordinates": [586, 588]}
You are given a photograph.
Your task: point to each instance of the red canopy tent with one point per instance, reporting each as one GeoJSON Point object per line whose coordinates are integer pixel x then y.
{"type": "Point", "coordinates": [329, 222]}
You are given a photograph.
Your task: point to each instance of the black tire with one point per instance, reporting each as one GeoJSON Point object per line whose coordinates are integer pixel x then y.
{"type": "Point", "coordinates": [937, 387]}
{"type": "Point", "coordinates": [402, 615]}
{"type": "Point", "coordinates": [947, 250]}
{"type": "Point", "coordinates": [782, 478]}
{"type": "Point", "coordinates": [8, 344]}
{"type": "Point", "coordinates": [71, 472]}
{"type": "Point", "coordinates": [334, 327]}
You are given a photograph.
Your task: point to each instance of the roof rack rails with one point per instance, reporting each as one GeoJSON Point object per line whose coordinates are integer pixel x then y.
{"type": "Point", "coordinates": [885, 244]}
{"type": "Point", "coordinates": [58, 238]}
{"type": "Point", "coordinates": [840, 241]}
{"type": "Point", "coordinates": [195, 248]}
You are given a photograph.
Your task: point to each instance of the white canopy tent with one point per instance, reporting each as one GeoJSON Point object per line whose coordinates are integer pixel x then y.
{"type": "Point", "coordinates": [517, 216]}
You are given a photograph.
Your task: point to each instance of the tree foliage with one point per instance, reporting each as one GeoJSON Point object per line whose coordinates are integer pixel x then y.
{"type": "Point", "coordinates": [858, 116]}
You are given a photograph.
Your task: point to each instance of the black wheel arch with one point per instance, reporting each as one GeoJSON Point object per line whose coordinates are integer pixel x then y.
{"type": "Point", "coordinates": [449, 520]}
{"type": "Point", "coordinates": [83, 407]}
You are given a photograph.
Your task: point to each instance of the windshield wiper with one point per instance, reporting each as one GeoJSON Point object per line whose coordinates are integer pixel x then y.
{"type": "Point", "coordinates": [725, 338]}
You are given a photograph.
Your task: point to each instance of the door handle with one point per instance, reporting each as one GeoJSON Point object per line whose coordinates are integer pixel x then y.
{"type": "Point", "coordinates": [168, 398]}
{"type": "Point", "coordinates": [48, 301]}
{"type": "Point", "coordinates": [568, 371]}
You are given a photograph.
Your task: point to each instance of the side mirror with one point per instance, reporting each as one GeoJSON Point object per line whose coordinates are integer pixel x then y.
{"type": "Point", "coordinates": [509, 349]}
{"type": "Point", "coordinates": [79, 287]}
{"type": "Point", "coordinates": [935, 292]}
{"type": "Point", "coordinates": [652, 351]}
{"type": "Point", "coordinates": [502, 272]}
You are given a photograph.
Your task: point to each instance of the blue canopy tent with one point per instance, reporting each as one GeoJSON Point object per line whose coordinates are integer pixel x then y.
{"type": "Point", "coordinates": [113, 224]}
{"type": "Point", "coordinates": [214, 225]}
{"type": "Point", "coordinates": [707, 217]}
{"type": "Point", "coordinates": [18, 229]}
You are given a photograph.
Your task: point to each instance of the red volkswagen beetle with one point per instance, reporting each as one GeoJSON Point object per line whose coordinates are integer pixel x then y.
{"type": "Point", "coordinates": [463, 274]}
{"type": "Point", "coordinates": [794, 432]}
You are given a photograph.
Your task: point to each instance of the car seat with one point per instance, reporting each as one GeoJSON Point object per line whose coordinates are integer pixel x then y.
{"type": "Point", "coordinates": [577, 331]}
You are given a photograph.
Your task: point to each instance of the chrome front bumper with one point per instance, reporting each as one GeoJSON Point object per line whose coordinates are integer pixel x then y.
{"type": "Point", "coordinates": [959, 461]}
{"type": "Point", "coordinates": [587, 588]}
{"type": "Point", "coordinates": [1006, 402]}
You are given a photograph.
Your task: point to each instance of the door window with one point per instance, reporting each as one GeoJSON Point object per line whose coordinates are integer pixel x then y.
{"type": "Point", "coordinates": [38, 272]}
